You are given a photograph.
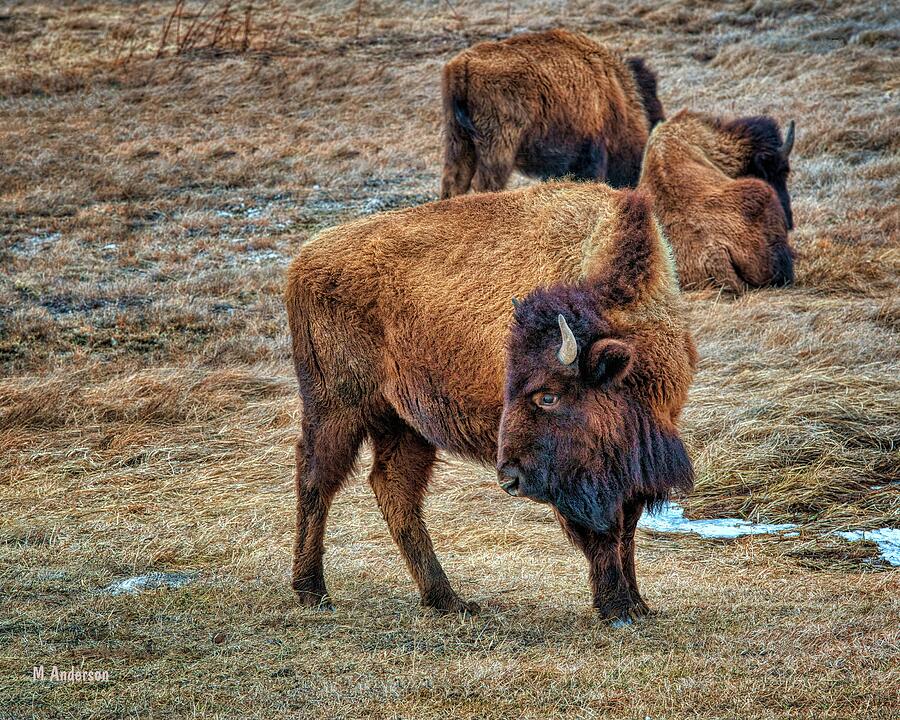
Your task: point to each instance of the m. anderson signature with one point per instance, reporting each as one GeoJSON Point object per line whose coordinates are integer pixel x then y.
{"type": "Point", "coordinates": [72, 675]}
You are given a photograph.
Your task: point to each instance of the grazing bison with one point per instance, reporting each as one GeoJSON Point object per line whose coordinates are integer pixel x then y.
{"type": "Point", "coordinates": [548, 104]}
{"type": "Point", "coordinates": [719, 188]}
{"type": "Point", "coordinates": [403, 333]}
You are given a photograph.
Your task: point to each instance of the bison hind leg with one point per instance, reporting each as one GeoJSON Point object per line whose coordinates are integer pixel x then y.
{"type": "Point", "coordinates": [400, 472]}
{"type": "Point", "coordinates": [495, 164]}
{"type": "Point", "coordinates": [459, 163]}
{"type": "Point", "coordinates": [325, 454]}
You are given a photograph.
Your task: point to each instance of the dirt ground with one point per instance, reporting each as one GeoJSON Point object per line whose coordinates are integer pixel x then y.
{"type": "Point", "coordinates": [156, 177]}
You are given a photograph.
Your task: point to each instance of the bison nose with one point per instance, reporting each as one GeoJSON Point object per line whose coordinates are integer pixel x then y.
{"type": "Point", "coordinates": [510, 477]}
{"type": "Point", "coordinates": [782, 266]}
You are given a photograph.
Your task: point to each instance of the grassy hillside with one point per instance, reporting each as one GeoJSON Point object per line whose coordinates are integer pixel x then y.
{"type": "Point", "coordinates": [158, 170]}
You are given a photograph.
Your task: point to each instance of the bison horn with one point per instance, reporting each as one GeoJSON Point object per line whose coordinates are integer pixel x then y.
{"type": "Point", "coordinates": [788, 141]}
{"type": "Point", "coordinates": [568, 351]}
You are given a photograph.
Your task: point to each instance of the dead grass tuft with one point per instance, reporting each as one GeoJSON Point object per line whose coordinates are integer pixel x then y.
{"type": "Point", "coordinates": [215, 28]}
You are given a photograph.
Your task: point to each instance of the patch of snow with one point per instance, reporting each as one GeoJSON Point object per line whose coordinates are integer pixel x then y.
{"type": "Point", "coordinates": [151, 581]}
{"type": "Point", "coordinates": [887, 540]}
{"type": "Point", "coordinates": [264, 256]}
{"type": "Point", "coordinates": [373, 205]}
{"type": "Point", "coordinates": [51, 575]}
{"type": "Point", "coordinates": [43, 238]}
{"type": "Point", "coordinates": [670, 518]}
{"type": "Point", "coordinates": [38, 241]}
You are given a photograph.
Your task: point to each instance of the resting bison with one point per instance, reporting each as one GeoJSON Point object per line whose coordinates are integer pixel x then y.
{"type": "Point", "coordinates": [403, 333]}
{"type": "Point", "coordinates": [548, 104]}
{"type": "Point", "coordinates": [719, 188]}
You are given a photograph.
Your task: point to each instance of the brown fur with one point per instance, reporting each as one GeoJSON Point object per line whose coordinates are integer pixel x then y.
{"type": "Point", "coordinates": [726, 227]}
{"type": "Point", "coordinates": [400, 324]}
{"type": "Point", "coordinates": [549, 104]}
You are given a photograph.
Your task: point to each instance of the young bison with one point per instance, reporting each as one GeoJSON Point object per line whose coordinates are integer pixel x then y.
{"type": "Point", "coordinates": [719, 188]}
{"type": "Point", "coordinates": [403, 334]}
{"type": "Point", "coordinates": [548, 104]}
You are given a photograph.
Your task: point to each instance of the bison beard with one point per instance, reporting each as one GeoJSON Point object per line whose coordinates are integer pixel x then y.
{"type": "Point", "coordinates": [645, 466]}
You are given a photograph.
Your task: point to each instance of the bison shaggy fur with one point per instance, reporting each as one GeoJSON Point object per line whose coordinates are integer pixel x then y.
{"type": "Point", "coordinates": [548, 104]}
{"type": "Point", "coordinates": [719, 188]}
{"type": "Point", "coordinates": [404, 335]}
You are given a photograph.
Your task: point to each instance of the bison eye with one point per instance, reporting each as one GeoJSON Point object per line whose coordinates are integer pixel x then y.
{"type": "Point", "coordinates": [546, 400]}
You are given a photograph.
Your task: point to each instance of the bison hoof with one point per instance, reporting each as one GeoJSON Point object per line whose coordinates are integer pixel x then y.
{"type": "Point", "coordinates": [312, 593]}
{"type": "Point", "coordinates": [640, 608]}
{"type": "Point", "coordinates": [619, 617]}
{"type": "Point", "coordinates": [448, 603]}
{"type": "Point", "coordinates": [314, 600]}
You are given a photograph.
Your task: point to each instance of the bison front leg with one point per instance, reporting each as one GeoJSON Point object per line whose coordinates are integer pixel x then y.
{"type": "Point", "coordinates": [631, 514]}
{"type": "Point", "coordinates": [612, 594]}
{"type": "Point", "coordinates": [399, 477]}
{"type": "Point", "coordinates": [613, 598]}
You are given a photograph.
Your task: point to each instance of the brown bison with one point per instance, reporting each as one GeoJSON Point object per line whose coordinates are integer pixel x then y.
{"type": "Point", "coordinates": [404, 334]}
{"type": "Point", "coordinates": [719, 188]}
{"type": "Point", "coordinates": [549, 104]}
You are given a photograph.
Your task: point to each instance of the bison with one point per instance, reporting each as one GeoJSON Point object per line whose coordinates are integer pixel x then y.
{"type": "Point", "coordinates": [403, 333]}
{"type": "Point", "coordinates": [549, 104]}
{"type": "Point", "coordinates": [719, 188]}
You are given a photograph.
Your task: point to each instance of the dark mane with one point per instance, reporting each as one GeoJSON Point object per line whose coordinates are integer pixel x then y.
{"type": "Point", "coordinates": [646, 82]}
{"type": "Point", "coordinates": [762, 133]}
{"type": "Point", "coordinates": [764, 159]}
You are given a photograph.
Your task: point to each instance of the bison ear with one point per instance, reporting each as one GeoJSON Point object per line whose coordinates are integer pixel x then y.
{"type": "Point", "coordinates": [609, 361]}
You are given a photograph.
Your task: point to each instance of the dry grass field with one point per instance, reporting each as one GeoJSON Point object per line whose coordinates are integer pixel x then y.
{"type": "Point", "coordinates": [155, 179]}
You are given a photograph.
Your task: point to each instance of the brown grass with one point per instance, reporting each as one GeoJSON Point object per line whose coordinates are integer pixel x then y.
{"type": "Point", "coordinates": [149, 202]}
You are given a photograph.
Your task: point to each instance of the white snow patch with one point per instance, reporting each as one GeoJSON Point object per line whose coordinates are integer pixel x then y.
{"type": "Point", "coordinates": [151, 581]}
{"type": "Point", "coordinates": [670, 518]}
{"type": "Point", "coordinates": [37, 242]}
{"type": "Point", "coordinates": [887, 540]}
{"type": "Point", "coordinates": [43, 238]}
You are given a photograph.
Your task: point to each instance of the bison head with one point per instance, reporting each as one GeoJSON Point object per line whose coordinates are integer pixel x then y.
{"type": "Point", "coordinates": [578, 429]}
{"type": "Point", "coordinates": [769, 156]}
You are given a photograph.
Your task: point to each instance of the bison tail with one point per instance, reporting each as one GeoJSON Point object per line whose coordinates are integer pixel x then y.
{"type": "Point", "coordinates": [460, 155]}
{"type": "Point", "coordinates": [456, 97]}
{"type": "Point", "coordinates": [461, 114]}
